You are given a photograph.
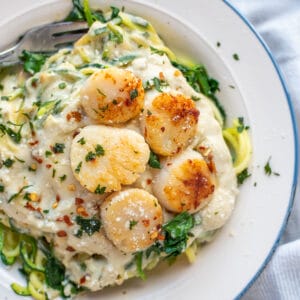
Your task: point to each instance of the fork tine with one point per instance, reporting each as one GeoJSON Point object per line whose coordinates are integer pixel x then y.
{"type": "Point", "coordinates": [61, 27]}
{"type": "Point", "coordinates": [66, 39]}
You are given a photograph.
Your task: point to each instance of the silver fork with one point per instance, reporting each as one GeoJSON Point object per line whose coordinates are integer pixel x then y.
{"type": "Point", "coordinates": [44, 39]}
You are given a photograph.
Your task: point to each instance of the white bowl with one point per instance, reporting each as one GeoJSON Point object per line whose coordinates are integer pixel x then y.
{"type": "Point", "coordinates": [226, 267]}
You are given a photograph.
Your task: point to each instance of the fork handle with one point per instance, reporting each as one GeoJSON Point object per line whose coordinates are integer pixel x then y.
{"type": "Point", "coordinates": [10, 56]}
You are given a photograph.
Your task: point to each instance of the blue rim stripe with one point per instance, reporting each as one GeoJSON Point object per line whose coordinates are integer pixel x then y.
{"type": "Point", "coordinates": [293, 190]}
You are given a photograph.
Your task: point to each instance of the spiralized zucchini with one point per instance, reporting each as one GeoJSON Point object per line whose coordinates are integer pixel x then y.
{"type": "Point", "coordinates": [13, 246]}
{"type": "Point", "coordinates": [238, 140]}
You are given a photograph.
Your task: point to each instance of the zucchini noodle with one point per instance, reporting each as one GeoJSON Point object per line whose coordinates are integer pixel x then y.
{"type": "Point", "coordinates": [13, 246]}
{"type": "Point", "coordinates": [238, 140]}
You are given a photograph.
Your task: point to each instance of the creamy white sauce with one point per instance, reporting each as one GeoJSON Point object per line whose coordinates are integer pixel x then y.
{"type": "Point", "coordinates": [57, 195]}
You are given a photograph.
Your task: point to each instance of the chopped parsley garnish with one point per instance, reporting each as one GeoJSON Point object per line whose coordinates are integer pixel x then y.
{"type": "Point", "coordinates": [89, 226]}
{"type": "Point", "coordinates": [218, 44]}
{"type": "Point", "coordinates": [48, 153]}
{"type": "Point", "coordinates": [33, 62]}
{"type": "Point", "coordinates": [236, 56]}
{"type": "Point", "coordinates": [241, 127]}
{"type": "Point", "coordinates": [159, 83]}
{"type": "Point", "coordinates": [2, 188]}
{"type": "Point", "coordinates": [99, 150]}
{"type": "Point", "coordinates": [154, 161]}
{"type": "Point", "coordinates": [8, 162]}
{"type": "Point", "coordinates": [115, 102]}
{"type": "Point", "coordinates": [90, 156]}
{"type": "Point", "coordinates": [62, 85]}
{"type": "Point", "coordinates": [81, 141]}
{"type": "Point", "coordinates": [63, 178]}
{"type": "Point", "coordinates": [4, 98]}
{"type": "Point", "coordinates": [195, 98]}
{"type": "Point", "coordinates": [100, 190]}
{"type": "Point", "coordinates": [16, 195]}
{"type": "Point", "coordinates": [268, 169]}
{"type": "Point", "coordinates": [133, 94]}
{"type": "Point", "coordinates": [132, 223]}
{"type": "Point", "coordinates": [242, 176]}
{"type": "Point", "coordinates": [78, 168]}
{"type": "Point", "coordinates": [46, 211]}
{"type": "Point", "coordinates": [14, 135]}
{"type": "Point", "coordinates": [58, 148]}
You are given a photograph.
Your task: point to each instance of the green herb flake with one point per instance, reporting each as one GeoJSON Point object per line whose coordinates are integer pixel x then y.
{"type": "Point", "coordinates": [133, 94]}
{"type": "Point", "coordinates": [195, 98]}
{"type": "Point", "coordinates": [158, 84]}
{"type": "Point", "coordinates": [33, 62]}
{"type": "Point", "coordinates": [63, 178]}
{"type": "Point", "coordinates": [62, 85]}
{"type": "Point", "coordinates": [99, 150]}
{"type": "Point", "coordinates": [89, 226]}
{"type": "Point", "coordinates": [81, 141]}
{"type": "Point", "coordinates": [90, 156]}
{"type": "Point", "coordinates": [154, 161]}
{"type": "Point", "coordinates": [267, 167]}
{"type": "Point", "coordinates": [236, 56]}
{"type": "Point", "coordinates": [114, 102]}
{"type": "Point", "coordinates": [100, 190]}
{"type": "Point", "coordinates": [4, 98]}
{"type": "Point", "coordinates": [242, 176]}
{"type": "Point", "coordinates": [78, 168]}
{"type": "Point", "coordinates": [58, 148]}
{"type": "Point", "coordinates": [218, 44]}
{"type": "Point", "coordinates": [2, 188]}
{"type": "Point", "coordinates": [8, 163]}
{"type": "Point", "coordinates": [48, 153]}
{"type": "Point", "coordinates": [46, 211]}
{"type": "Point", "coordinates": [132, 223]}
{"type": "Point", "coordinates": [16, 195]}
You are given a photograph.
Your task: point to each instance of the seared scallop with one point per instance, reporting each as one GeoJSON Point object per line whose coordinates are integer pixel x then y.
{"type": "Point", "coordinates": [184, 183]}
{"type": "Point", "coordinates": [112, 96]}
{"type": "Point", "coordinates": [132, 219]}
{"type": "Point", "coordinates": [104, 158]}
{"type": "Point", "coordinates": [170, 123]}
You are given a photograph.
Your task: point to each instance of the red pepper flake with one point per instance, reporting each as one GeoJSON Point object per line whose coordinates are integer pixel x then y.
{"type": "Point", "coordinates": [37, 159]}
{"type": "Point", "coordinates": [61, 233]}
{"type": "Point", "coordinates": [67, 220]}
{"type": "Point", "coordinates": [48, 166]}
{"type": "Point", "coordinates": [78, 201]}
{"type": "Point", "coordinates": [29, 206]}
{"type": "Point", "coordinates": [82, 280]}
{"type": "Point", "coordinates": [146, 222]}
{"type": "Point", "coordinates": [149, 181]}
{"type": "Point", "coordinates": [70, 249]}
{"type": "Point", "coordinates": [82, 211]}
{"type": "Point", "coordinates": [74, 115]}
{"type": "Point", "coordinates": [162, 129]}
{"type": "Point", "coordinates": [33, 143]}
{"type": "Point", "coordinates": [57, 198]}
